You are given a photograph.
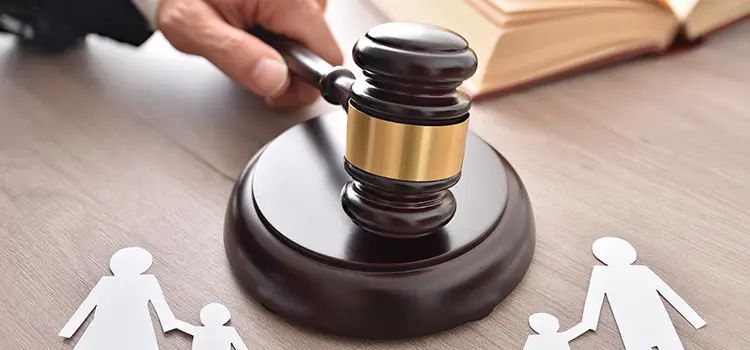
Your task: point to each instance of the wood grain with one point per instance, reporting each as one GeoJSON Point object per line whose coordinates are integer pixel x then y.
{"type": "Point", "coordinates": [111, 146]}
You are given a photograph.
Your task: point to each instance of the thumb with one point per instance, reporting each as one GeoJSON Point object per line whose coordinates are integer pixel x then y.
{"type": "Point", "coordinates": [194, 27]}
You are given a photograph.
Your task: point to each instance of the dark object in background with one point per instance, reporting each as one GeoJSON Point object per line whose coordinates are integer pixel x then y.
{"type": "Point", "coordinates": [53, 26]}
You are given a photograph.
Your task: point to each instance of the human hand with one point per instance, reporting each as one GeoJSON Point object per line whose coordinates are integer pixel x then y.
{"type": "Point", "coordinates": [216, 30]}
{"type": "Point", "coordinates": [576, 331]}
{"type": "Point", "coordinates": [170, 325]}
{"type": "Point", "coordinates": [66, 332]}
{"type": "Point", "coordinates": [698, 322]}
{"type": "Point", "coordinates": [183, 326]}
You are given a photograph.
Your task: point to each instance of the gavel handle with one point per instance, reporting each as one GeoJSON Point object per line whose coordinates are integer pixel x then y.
{"type": "Point", "coordinates": [334, 83]}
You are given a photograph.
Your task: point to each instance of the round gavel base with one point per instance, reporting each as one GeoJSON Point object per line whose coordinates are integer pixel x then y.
{"type": "Point", "coordinates": [291, 245]}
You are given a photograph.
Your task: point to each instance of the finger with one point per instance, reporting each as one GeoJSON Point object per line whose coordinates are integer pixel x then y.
{"type": "Point", "coordinates": [301, 20]}
{"type": "Point", "coordinates": [194, 27]}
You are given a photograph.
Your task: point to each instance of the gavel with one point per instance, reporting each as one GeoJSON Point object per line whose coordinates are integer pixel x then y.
{"type": "Point", "coordinates": [389, 218]}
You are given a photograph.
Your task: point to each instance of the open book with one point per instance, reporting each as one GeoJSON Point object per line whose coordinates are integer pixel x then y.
{"type": "Point", "coordinates": [525, 42]}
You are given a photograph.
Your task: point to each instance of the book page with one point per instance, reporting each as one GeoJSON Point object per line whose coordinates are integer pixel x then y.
{"type": "Point", "coordinates": [681, 8]}
{"type": "Point", "coordinates": [710, 16]}
{"type": "Point", "coordinates": [548, 5]}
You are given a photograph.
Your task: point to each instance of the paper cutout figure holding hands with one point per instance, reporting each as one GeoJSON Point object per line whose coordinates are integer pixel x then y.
{"type": "Point", "coordinates": [633, 292]}
{"type": "Point", "coordinates": [122, 319]}
{"type": "Point", "coordinates": [214, 335]}
{"type": "Point", "coordinates": [548, 338]}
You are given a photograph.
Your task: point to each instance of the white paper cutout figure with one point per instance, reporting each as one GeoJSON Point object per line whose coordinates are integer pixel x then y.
{"type": "Point", "coordinates": [633, 292]}
{"type": "Point", "coordinates": [548, 338]}
{"type": "Point", "coordinates": [122, 319]}
{"type": "Point", "coordinates": [214, 335]}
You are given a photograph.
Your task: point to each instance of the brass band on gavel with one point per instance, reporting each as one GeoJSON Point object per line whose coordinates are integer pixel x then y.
{"type": "Point", "coordinates": [404, 152]}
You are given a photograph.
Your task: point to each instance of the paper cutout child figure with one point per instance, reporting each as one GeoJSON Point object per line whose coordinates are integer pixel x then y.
{"type": "Point", "coordinates": [634, 293]}
{"type": "Point", "coordinates": [548, 338]}
{"type": "Point", "coordinates": [214, 335]}
{"type": "Point", "coordinates": [122, 319]}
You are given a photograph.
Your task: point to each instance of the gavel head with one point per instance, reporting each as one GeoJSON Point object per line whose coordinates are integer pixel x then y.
{"type": "Point", "coordinates": [407, 128]}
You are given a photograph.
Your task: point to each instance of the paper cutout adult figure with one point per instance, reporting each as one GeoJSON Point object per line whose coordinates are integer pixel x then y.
{"type": "Point", "coordinates": [548, 338]}
{"type": "Point", "coordinates": [633, 292]}
{"type": "Point", "coordinates": [122, 319]}
{"type": "Point", "coordinates": [214, 335]}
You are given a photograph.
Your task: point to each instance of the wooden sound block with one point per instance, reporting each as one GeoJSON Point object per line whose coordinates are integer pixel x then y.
{"type": "Point", "coordinates": [293, 247]}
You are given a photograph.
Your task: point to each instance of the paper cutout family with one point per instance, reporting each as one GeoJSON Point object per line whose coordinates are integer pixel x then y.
{"type": "Point", "coordinates": [122, 319]}
{"type": "Point", "coordinates": [634, 293]}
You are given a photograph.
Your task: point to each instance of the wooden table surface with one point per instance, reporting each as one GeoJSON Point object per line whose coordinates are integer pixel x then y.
{"type": "Point", "coordinates": [110, 146]}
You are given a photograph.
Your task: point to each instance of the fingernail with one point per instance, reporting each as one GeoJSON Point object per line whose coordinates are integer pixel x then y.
{"type": "Point", "coordinates": [269, 76]}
